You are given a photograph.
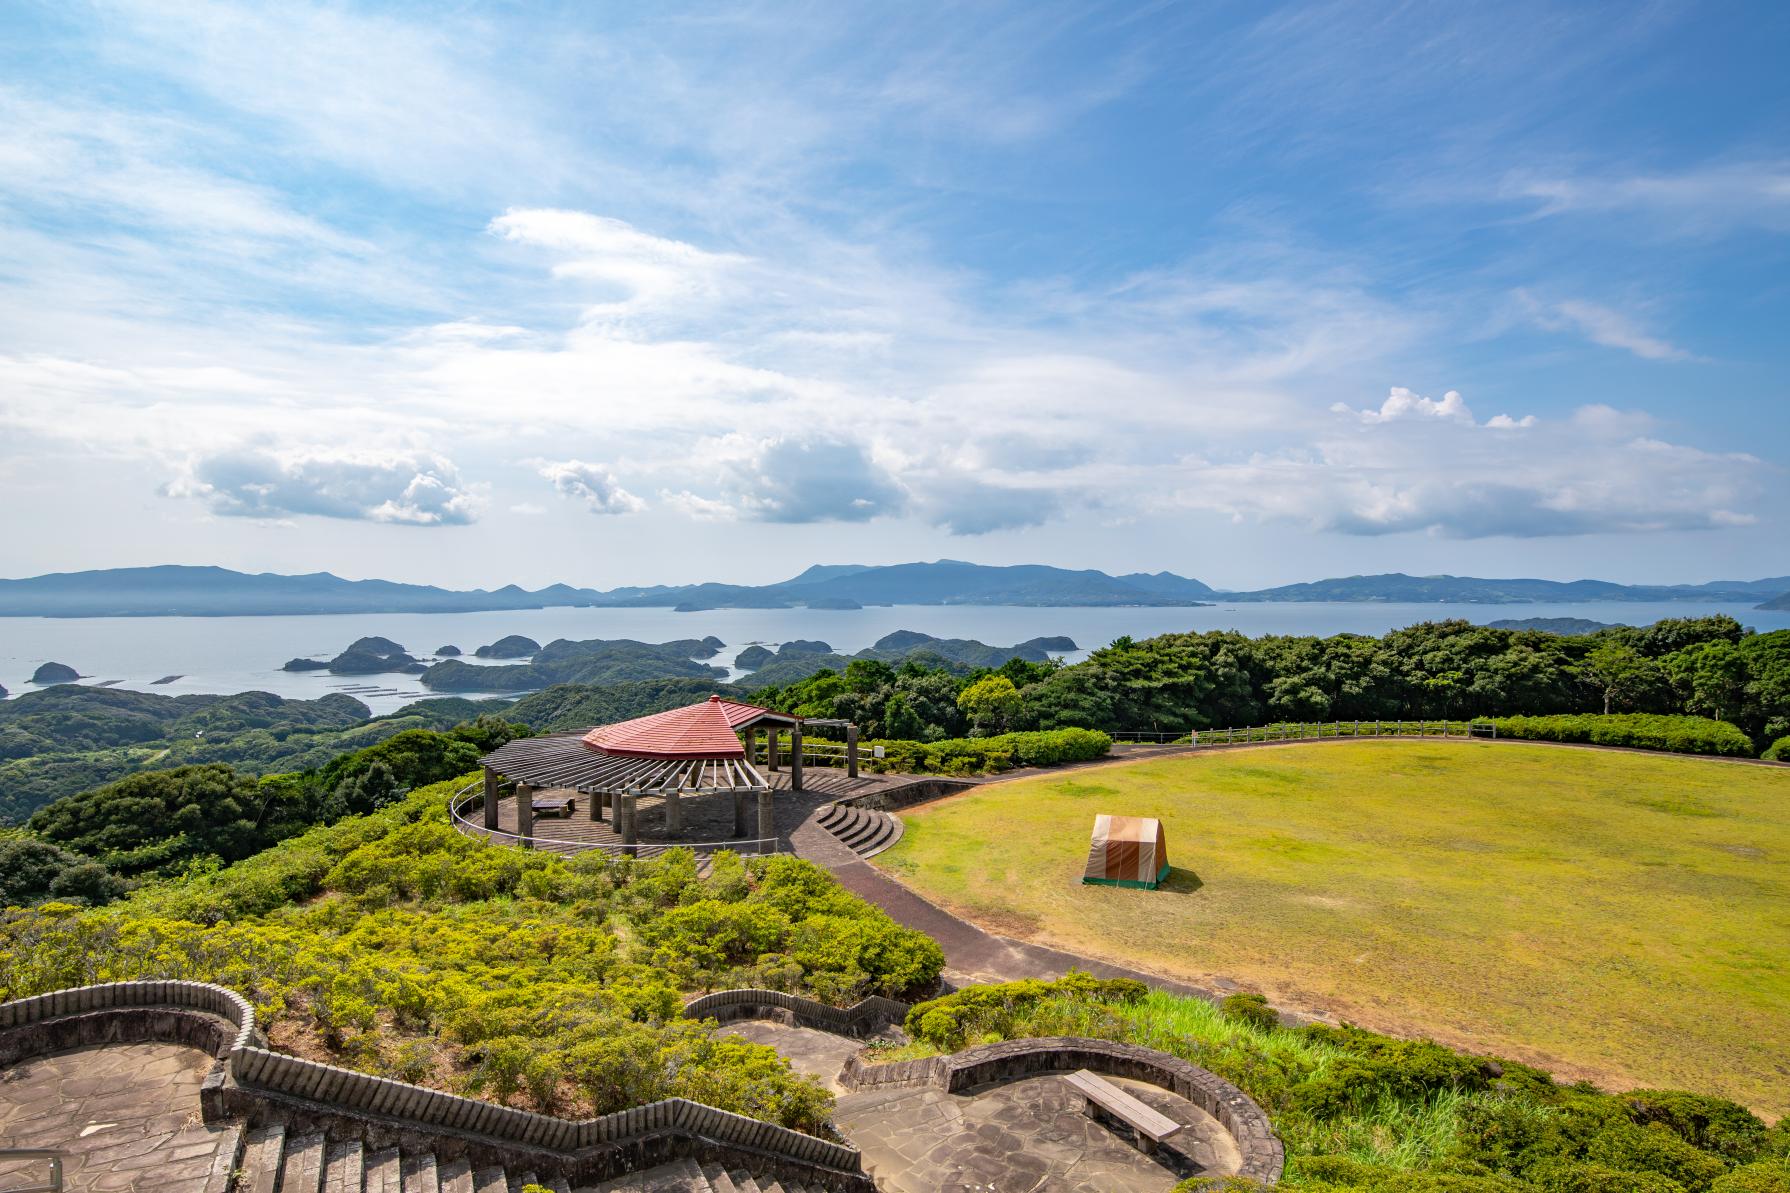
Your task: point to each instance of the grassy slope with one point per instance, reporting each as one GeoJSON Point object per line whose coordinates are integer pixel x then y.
{"type": "Point", "coordinates": [1609, 915]}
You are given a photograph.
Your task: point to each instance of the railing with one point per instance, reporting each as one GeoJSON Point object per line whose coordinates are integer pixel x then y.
{"type": "Point", "coordinates": [54, 1160]}
{"type": "Point", "coordinates": [1322, 730]}
{"type": "Point", "coordinates": [563, 848]}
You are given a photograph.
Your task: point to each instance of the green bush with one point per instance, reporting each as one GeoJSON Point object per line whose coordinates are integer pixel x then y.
{"type": "Point", "coordinates": [1252, 1009]}
{"type": "Point", "coordinates": [1778, 751]}
{"type": "Point", "coordinates": [979, 1013]}
{"type": "Point", "coordinates": [1644, 731]}
{"type": "Point", "coordinates": [987, 755]}
{"type": "Point", "coordinates": [1767, 1176]}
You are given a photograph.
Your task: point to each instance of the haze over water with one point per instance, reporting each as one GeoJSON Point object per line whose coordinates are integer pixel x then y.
{"type": "Point", "coordinates": [235, 654]}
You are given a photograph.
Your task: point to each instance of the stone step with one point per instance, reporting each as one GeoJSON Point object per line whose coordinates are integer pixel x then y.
{"type": "Point", "coordinates": [490, 1180]}
{"type": "Point", "coordinates": [719, 1179]}
{"type": "Point", "coordinates": [456, 1176]}
{"type": "Point", "coordinates": [302, 1171]}
{"type": "Point", "coordinates": [343, 1167]}
{"type": "Point", "coordinates": [262, 1156]}
{"type": "Point", "coordinates": [418, 1174]}
{"type": "Point", "coordinates": [865, 831]}
{"type": "Point", "coordinates": [384, 1172]}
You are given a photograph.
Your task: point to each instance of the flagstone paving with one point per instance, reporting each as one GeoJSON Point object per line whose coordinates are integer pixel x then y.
{"type": "Point", "coordinates": [1020, 1136]}
{"type": "Point", "coordinates": [124, 1116]}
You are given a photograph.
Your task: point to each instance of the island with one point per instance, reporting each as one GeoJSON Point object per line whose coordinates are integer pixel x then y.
{"type": "Point", "coordinates": [447, 652]}
{"type": "Point", "coordinates": [53, 673]}
{"type": "Point", "coordinates": [306, 665]}
{"type": "Point", "coordinates": [1570, 627]}
{"type": "Point", "coordinates": [511, 646]}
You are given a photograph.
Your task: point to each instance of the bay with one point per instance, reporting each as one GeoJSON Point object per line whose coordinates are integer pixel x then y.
{"type": "Point", "coordinates": [235, 654]}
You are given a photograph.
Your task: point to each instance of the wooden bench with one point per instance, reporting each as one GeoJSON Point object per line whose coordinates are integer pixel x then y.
{"type": "Point", "coordinates": [1101, 1096]}
{"type": "Point", "coordinates": [554, 805]}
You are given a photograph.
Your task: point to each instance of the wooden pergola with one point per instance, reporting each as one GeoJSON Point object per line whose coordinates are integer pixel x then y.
{"type": "Point", "coordinates": [691, 751]}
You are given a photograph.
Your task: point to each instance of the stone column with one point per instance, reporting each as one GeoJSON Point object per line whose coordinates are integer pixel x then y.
{"type": "Point", "coordinates": [525, 814]}
{"type": "Point", "coordinates": [626, 823]}
{"type": "Point", "coordinates": [674, 813]}
{"type": "Point", "coordinates": [490, 798]}
{"type": "Point", "coordinates": [767, 822]}
{"type": "Point", "coordinates": [851, 751]}
{"type": "Point", "coordinates": [749, 739]}
{"type": "Point", "coordinates": [770, 754]}
{"type": "Point", "coordinates": [596, 807]}
{"type": "Point", "coordinates": [795, 757]}
{"type": "Point", "coordinates": [740, 827]}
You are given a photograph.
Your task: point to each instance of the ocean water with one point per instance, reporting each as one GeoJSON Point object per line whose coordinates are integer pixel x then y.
{"type": "Point", "coordinates": [235, 654]}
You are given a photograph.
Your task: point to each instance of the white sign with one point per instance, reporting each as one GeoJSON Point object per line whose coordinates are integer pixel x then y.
{"type": "Point", "coordinates": [876, 751]}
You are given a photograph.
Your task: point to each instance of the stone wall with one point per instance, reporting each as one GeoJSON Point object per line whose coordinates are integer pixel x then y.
{"type": "Point", "coordinates": [862, 1019]}
{"type": "Point", "coordinates": [257, 1085]}
{"type": "Point", "coordinates": [906, 795]}
{"type": "Point", "coordinates": [1263, 1154]}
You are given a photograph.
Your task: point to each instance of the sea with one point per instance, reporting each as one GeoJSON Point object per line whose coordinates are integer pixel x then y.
{"type": "Point", "coordinates": [177, 655]}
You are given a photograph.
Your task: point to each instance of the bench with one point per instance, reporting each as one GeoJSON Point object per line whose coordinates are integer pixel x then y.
{"type": "Point", "coordinates": [554, 805]}
{"type": "Point", "coordinates": [1101, 1096]}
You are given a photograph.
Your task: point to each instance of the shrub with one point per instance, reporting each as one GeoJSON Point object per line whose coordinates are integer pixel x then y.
{"type": "Point", "coordinates": [1714, 1125]}
{"type": "Point", "coordinates": [1655, 1149]}
{"type": "Point", "coordinates": [1767, 1176]}
{"type": "Point", "coordinates": [1778, 751]}
{"type": "Point", "coordinates": [978, 1013]}
{"type": "Point", "coordinates": [1252, 1009]}
{"type": "Point", "coordinates": [984, 755]}
{"type": "Point", "coordinates": [1644, 731]}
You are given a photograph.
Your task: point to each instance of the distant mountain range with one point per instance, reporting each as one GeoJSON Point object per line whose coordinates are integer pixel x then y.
{"type": "Point", "coordinates": [174, 590]}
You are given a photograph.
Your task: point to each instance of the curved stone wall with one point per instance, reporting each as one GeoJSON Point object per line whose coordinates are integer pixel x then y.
{"type": "Point", "coordinates": [857, 1021]}
{"type": "Point", "coordinates": [1264, 1157]}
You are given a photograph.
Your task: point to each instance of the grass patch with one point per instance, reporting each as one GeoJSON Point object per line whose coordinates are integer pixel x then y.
{"type": "Point", "coordinates": [1610, 916]}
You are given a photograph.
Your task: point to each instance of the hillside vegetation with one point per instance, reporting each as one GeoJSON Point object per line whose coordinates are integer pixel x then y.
{"type": "Point", "coordinates": [1611, 915]}
{"type": "Point", "coordinates": [392, 944]}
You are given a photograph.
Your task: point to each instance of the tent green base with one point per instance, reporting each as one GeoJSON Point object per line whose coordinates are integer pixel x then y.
{"type": "Point", "coordinates": [1131, 883]}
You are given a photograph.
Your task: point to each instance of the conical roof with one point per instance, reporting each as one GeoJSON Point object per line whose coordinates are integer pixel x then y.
{"type": "Point", "coordinates": [696, 731]}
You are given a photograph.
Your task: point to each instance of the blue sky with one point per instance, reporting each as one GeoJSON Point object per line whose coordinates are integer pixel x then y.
{"type": "Point", "coordinates": [623, 294]}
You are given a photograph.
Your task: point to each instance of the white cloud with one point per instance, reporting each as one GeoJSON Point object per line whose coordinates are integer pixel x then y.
{"type": "Point", "coordinates": [401, 488]}
{"type": "Point", "coordinates": [593, 484]}
{"type": "Point", "coordinates": [1403, 405]}
{"type": "Point", "coordinates": [808, 478]}
{"type": "Point", "coordinates": [1711, 198]}
{"type": "Point", "coordinates": [1444, 476]}
{"type": "Point", "coordinates": [1611, 328]}
{"type": "Point", "coordinates": [964, 506]}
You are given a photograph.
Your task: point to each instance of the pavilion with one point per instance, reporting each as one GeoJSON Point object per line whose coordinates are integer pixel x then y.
{"type": "Point", "coordinates": [706, 749]}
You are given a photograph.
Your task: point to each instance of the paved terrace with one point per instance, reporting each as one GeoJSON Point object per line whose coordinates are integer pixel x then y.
{"type": "Point", "coordinates": [707, 818]}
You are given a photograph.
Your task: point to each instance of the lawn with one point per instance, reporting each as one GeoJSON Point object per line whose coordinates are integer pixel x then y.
{"type": "Point", "coordinates": [1608, 915]}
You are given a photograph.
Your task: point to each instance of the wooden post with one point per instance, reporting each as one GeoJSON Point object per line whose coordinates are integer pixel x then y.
{"type": "Point", "coordinates": [851, 751]}
{"type": "Point", "coordinates": [490, 799]}
{"type": "Point", "coordinates": [749, 739]}
{"type": "Point", "coordinates": [525, 814]}
{"type": "Point", "coordinates": [767, 822]}
{"type": "Point", "coordinates": [770, 748]}
{"type": "Point", "coordinates": [795, 757]}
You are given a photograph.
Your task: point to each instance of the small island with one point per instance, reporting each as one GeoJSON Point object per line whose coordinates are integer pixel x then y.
{"type": "Point", "coordinates": [512, 646]}
{"type": "Point", "coordinates": [54, 673]}
{"type": "Point", "coordinates": [306, 665]}
{"type": "Point", "coordinates": [753, 657]}
{"type": "Point", "coordinates": [1570, 627]}
{"type": "Point", "coordinates": [447, 652]}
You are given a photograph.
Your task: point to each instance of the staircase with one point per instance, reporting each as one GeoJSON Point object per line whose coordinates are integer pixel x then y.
{"type": "Point", "coordinates": [865, 831]}
{"type": "Point", "coordinates": [275, 1160]}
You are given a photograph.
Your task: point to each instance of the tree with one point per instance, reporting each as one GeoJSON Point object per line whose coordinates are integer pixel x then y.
{"type": "Point", "coordinates": [161, 820]}
{"type": "Point", "coordinates": [1620, 671]}
{"type": "Point", "coordinates": [990, 703]}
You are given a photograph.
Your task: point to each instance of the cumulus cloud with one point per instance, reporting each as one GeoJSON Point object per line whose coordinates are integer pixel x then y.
{"type": "Point", "coordinates": [414, 489]}
{"type": "Point", "coordinates": [1402, 405]}
{"type": "Point", "coordinates": [968, 507]}
{"type": "Point", "coordinates": [1590, 474]}
{"type": "Point", "coordinates": [818, 478]}
{"type": "Point", "coordinates": [593, 484]}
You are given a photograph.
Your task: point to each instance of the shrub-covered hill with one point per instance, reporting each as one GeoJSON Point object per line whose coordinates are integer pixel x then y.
{"type": "Point", "coordinates": [1359, 1111]}
{"type": "Point", "coordinates": [392, 944]}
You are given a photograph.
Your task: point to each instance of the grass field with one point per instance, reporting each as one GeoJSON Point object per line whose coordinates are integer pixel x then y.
{"type": "Point", "coordinates": [1609, 915]}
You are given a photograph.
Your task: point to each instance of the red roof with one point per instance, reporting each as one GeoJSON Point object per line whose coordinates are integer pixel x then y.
{"type": "Point", "coordinates": [739, 714]}
{"type": "Point", "coordinates": [697, 731]}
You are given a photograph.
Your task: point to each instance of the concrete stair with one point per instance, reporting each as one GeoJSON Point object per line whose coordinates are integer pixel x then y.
{"type": "Point", "coordinates": [865, 831]}
{"type": "Point", "coordinates": [275, 1160]}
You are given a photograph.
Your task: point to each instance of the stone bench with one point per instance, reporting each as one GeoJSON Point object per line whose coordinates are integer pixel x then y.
{"type": "Point", "coordinates": [1152, 1126]}
{"type": "Point", "coordinates": [556, 805]}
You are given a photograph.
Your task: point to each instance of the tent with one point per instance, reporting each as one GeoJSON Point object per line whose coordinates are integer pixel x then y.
{"type": "Point", "coordinates": [1127, 851]}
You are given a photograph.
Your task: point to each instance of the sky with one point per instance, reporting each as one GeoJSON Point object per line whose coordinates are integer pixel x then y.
{"type": "Point", "coordinates": [604, 294]}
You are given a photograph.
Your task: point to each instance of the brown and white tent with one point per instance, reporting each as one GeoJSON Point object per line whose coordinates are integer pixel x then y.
{"type": "Point", "coordinates": [1127, 851]}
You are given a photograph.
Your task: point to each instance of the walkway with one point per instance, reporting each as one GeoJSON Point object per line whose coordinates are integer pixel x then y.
{"type": "Point", "coordinates": [124, 1116]}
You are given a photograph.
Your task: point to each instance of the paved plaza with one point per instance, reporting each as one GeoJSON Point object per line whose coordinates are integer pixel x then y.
{"type": "Point", "coordinates": [124, 1116]}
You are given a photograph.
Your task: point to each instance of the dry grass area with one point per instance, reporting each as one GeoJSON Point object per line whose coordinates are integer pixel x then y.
{"type": "Point", "coordinates": [1617, 916]}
